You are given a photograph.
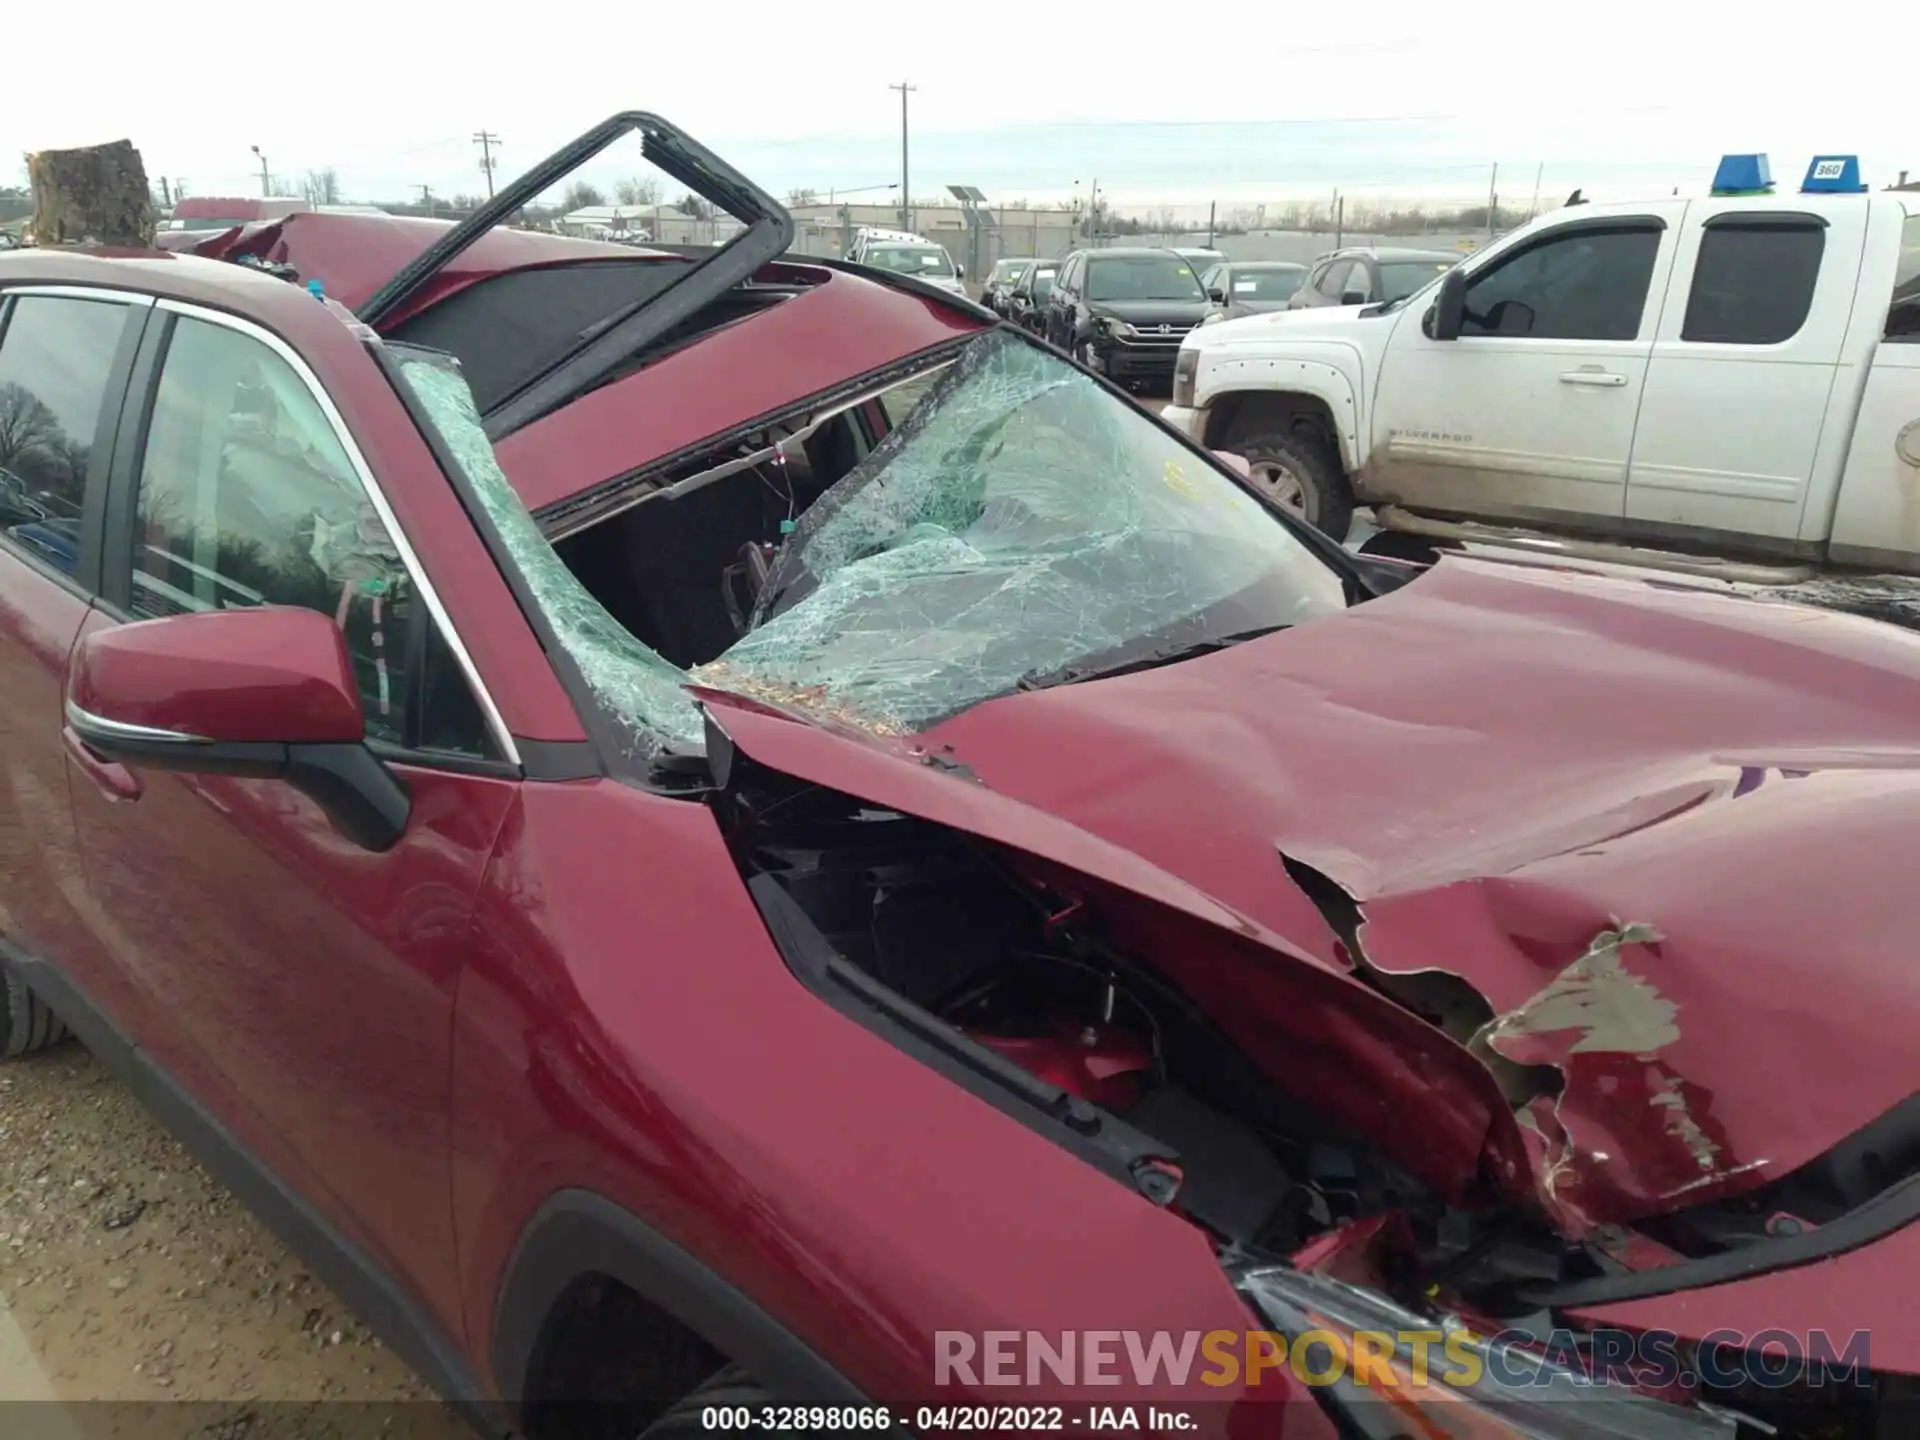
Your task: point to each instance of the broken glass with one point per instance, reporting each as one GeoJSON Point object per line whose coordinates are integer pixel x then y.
{"type": "Point", "coordinates": [630, 681]}
{"type": "Point", "coordinates": [1022, 519]}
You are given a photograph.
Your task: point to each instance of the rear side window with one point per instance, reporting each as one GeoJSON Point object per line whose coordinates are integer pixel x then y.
{"type": "Point", "coordinates": [56, 356]}
{"type": "Point", "coordinates": [1903, 317]}
{"type": "Point", "coordinates": [1753, 283]}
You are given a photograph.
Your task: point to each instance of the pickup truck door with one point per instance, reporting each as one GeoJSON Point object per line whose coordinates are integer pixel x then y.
{"type": "Point", "coordinates": [1747, 352]}
{"type": "Point", "coordinates": [1529, 414]}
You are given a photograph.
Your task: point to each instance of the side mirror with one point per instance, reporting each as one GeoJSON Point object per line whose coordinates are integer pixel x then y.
{"type": "Point", "coordinates": [267, 693]}
{"type": "Point", "coordinates": [1217, 295]}
{"type": "Point", "coordinates": [1352, 297]}
{"type": "Point", "coordinates": [1448, 311]}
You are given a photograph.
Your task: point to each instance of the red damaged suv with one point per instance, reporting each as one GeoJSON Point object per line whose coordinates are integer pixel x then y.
{"type": "Point", "coordinates": [703, 831]}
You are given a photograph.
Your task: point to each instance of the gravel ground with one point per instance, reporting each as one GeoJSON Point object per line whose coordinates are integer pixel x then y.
{"type": "Point", "coordinates": [129, 1276]}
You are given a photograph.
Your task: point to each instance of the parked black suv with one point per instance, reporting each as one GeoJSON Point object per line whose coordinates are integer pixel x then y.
{"type": "Point", "coordinates": [1124, 312]}
{"type": "Point", "coordinates": [1365, 276]}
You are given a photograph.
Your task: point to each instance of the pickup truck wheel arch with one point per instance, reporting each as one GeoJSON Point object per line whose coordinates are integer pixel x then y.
{"type": "Point", "coordinates": [1319, 400]}
{"type": "Point", "coordinates": [579, 1238]}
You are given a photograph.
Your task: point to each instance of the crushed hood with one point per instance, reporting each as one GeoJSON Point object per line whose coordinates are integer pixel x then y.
{"type": "Point", "coordinates": [1652, 841]}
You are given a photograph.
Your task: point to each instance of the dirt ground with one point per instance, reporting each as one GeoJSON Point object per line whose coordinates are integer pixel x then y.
{"type": "Point", "coordinates": [139, 1299]}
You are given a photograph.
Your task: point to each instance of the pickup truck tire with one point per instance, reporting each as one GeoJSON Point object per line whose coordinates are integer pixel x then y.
{"type": "Point", "coordinates": [1295, 471]}
{"type": "Point", "coordinates": [27, 1023]}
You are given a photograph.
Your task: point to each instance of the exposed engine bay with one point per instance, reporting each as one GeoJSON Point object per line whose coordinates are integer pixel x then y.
{"type": "Point", "coordinates": [959, 937]}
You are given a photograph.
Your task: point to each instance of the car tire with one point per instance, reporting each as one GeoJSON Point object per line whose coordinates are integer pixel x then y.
{"type": "Point", "coordinates": [28, 1023]}
{"type": "Point", "coordinates": [1296, 471]}
{"type": "Point", "coordinates": [730, 1387]}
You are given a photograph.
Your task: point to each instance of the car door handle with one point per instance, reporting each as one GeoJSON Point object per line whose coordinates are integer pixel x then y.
{"type": "Point", "coordinates": [1592, 376]}
{"type": "Point", "coordinates": [116, 781]}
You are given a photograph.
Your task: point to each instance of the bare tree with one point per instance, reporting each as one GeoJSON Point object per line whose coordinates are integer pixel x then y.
{"type": "Point", "coordinates": [580, 195]}
{"type": "Point", "coordinates": [321, 187]}
{"type": "Point", "coordinates": [28, 429]}
{"type": "Point", "coordinates": [637, 190]}
{"type": "Point", "coordinates": [801, 195]}
{"type": "Point", "coordinates": [692, 205]}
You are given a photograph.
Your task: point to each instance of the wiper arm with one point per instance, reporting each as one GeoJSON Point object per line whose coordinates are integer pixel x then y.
{"type": "Point", "coordinates": [1151, 660]}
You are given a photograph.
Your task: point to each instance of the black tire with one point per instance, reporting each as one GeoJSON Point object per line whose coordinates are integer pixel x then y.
{"type": "Point", "coordinates": [1327, 499]}
{"type": "Point", "coordinates": [730, 1386]}
{"type": "Point", "coordinates": [28, 1023]}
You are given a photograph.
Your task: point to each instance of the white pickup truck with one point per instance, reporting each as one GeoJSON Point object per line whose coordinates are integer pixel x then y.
{"type": "Point", "coordinates": [1728, 386]}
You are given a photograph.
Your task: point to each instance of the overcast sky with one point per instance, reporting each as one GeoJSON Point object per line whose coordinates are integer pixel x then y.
{"type": "Point", "coordinates": [1230, 99]}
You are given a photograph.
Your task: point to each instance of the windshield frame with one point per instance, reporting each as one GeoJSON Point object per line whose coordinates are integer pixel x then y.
{"type": "Point", "coordinates": [666, 764]}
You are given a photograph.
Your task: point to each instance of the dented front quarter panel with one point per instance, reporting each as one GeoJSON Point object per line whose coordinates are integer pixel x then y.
{"type": "Point", "coordinates": [1500, 765]}
{"type": "Point", "coordinates": [1338, 1045]}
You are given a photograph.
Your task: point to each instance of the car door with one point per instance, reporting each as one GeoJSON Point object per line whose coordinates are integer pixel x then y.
{"type": "Point", "coordinates": [1062, 303]}
{"type": "Point", "coordinates": [314, 978]}
{"type": "Point", "coordinates": [1529, 414]}
{"type": "Point", "coordinates": [1730, 435]}
{"type": "Point", "coordinates": [1324, 287]}
{"type": "Point", "coordinates": [64, 360]}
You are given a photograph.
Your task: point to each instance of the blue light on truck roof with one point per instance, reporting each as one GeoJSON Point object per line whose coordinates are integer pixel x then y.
{"type": "Point", "coordinates": [1833, 175]}
{"type": "Point", "coordinates": [1743, 175]}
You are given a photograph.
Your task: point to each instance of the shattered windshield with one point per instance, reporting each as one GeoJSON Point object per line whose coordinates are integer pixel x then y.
{"type": "Point", "coordinates": [1023, 518]}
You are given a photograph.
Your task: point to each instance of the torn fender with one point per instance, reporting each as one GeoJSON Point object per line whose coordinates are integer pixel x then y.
{"type": "Point", "coordinates": [1322, 1036]}
{"type": "Point", "coordinates": [1495, 766]}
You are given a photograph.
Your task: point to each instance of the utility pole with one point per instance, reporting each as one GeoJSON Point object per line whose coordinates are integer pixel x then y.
{"type": "Point", "coordinates": [486, 140]}
{"type": "Point", "coordinates": [266, 181]}
{"type": "Point", "coordinates": [1212, 206]}
{"type": "Point", "coordinates": [1339, 219]}
{"type": "Point", "coordinates": [906, 191]}
{"type": "Point", "coordinates": [426, 198]}
{"type": "Point", "coordinates": [1093, 213]}
{"type": "Point", "coordinates": [166, 192]}
{"type": "Point", "coordinates": [1493, 197]}
{"type": "Point", "coordinates": [1537, 174]}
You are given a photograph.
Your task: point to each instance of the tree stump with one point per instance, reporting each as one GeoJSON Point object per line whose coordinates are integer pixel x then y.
{"type": "Point", "coordinates": [95, 195]}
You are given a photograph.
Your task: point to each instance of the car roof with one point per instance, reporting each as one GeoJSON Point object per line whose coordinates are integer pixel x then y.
{"type": "Point", "coordinates": [835, 327]}
{"type": "Point", "coordinates": [353, 255]}
{"type": "Point", "coordinates": [838, 326]}
{"type": "Point", "coordinates": [1266, 265]}
{"type": "Point", "coordinates": [1131, 252]}
{"type": "Point", "coordinates": [1390, 253]}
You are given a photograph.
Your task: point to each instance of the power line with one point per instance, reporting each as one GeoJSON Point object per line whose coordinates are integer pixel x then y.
{"type": "Point", "coordinates": [486, 140]}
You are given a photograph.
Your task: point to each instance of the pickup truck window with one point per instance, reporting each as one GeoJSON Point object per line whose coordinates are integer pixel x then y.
{"type": "Point", "coordinates": [1579, 284]}
{"type": "Point", "coordinates": [1903, 316]}
{"type": "Point", "coordinates": [1753, 284]}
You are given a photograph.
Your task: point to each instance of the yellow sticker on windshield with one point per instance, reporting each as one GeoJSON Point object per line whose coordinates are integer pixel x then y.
{"type": "Point", "coordinates": [1176, 480]}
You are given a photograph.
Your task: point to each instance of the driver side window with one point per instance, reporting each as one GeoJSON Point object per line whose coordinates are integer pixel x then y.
{"type": "Point", "coordinates": [1584, 285]}
{"type": "Point", "coordinates": [247, 497]}
{"type": "Point", "coordinates": [1334, 280]}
